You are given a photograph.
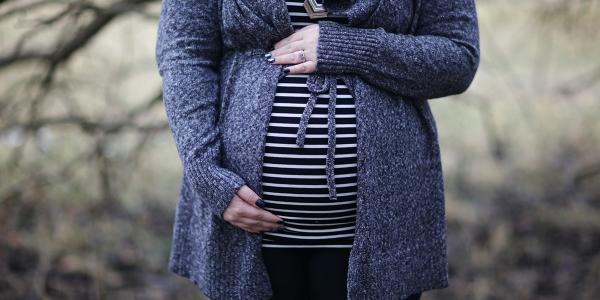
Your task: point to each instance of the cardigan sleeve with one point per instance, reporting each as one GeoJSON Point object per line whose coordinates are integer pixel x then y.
{"type": "Point", "coordinates": [439, 59]}
{"type": "Point", "coordinates": [188, 50]}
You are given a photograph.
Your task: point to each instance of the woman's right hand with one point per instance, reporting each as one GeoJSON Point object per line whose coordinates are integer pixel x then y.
{"type": "Point", "coordinates": [244, 212]}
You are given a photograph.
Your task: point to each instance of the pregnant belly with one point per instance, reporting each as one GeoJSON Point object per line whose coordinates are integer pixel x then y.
{"type": "Point", "coordinates": [294, 179]}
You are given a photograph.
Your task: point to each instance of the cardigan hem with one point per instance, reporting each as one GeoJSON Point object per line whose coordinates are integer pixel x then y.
{"type": "Point", "coordinates": [416, 277]}
{"type": "Point", "coordinates": [186, 274]}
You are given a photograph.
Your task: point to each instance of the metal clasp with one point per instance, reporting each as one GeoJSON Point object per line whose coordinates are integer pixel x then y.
{"type": "Point", "coordinates": [315, 9]}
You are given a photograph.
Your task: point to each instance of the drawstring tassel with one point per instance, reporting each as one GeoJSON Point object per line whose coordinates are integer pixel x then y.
{"type": "Point", "coordinates": [301, 135]}
{"type": "Point", "coordinates": [330, 161]}
{"type": "Point", "coordinates": [317, 84]}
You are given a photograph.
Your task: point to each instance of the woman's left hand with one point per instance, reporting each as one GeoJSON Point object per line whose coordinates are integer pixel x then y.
{"type": "Point", "coordinates": [287, 51]}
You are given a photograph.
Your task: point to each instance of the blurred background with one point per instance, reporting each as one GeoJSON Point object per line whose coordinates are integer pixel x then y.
{"type": "Point", "coordinates": [89, 172]}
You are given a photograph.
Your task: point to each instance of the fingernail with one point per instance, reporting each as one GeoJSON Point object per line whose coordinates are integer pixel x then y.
{"type": "Point", "coordinates": [268, 55]}
{"type": "Point", "coordinates": [286, 70]}
{"type": "Point", "coordinates": [260, 202]}
{"type": "Point", "coordinates": [271, 59]}
{"type": "Point", "coordinates": [280, 222]}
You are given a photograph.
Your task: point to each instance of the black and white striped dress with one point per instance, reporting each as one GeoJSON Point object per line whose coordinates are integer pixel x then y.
{"type": "Point", "coordinates": [294, 179]}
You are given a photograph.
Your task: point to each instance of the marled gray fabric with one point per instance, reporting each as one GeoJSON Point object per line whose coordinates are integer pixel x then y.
{"type": "Point", "coordinates": [218, 90]}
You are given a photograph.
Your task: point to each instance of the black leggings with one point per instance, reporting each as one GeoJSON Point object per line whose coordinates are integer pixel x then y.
{"type": "Point", "coordinates": [309, 273]}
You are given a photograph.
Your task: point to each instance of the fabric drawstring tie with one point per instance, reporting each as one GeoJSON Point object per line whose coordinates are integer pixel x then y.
{"type": "Point", "coordinates": [318, 83]}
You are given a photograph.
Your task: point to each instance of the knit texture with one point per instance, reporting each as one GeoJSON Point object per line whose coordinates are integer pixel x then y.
{"type": "Point", "coordinates": [218, 90]}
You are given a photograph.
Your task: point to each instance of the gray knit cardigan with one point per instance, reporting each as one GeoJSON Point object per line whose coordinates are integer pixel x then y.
{"type": "Point", "coordinates": [394, 55]}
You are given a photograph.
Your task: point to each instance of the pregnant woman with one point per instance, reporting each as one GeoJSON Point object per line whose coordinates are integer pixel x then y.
{"type": "Point", "coordinates": [311, 163]}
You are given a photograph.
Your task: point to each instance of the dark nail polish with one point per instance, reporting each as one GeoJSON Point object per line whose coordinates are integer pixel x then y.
{"type": "Point", "coordinates": [270, 59]}
{"type": "Point", "coordinates": [280, 222]}
{"type": "Point", "coordinates": [268, 55]}
{"type": "Point", "coordinates": [286, 70]}
{"type": "Point", "coordinates": [280, 229]}
{"type": "Point", "coordinates": [260, 202]}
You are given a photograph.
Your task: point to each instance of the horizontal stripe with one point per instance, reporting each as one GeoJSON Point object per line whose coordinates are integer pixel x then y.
{"type": "Point", "coordinates": [289, 3]}
{"type": "Point", "coordinates": [307, 195]}
{"type": "Point", "coordinates": [287, 230]}
{"type": "Point", "coordinates": [308, 176]}
{"type": "Point", "coordinates": [288, 84]}
{"type": "Point", "coordinates": [307, 166]}
{"type": "Point", "coordinates": [316, 218]}
{"type": "Point", "coordinates": [314, 163]}
{"type": "Point", "coordinates": [311, 125]}
{"type": "Point", "coordinates": [318, 227]}
{"type": "Point", "coordinates": [302, 95]}
{"type": "Point", "coordinates": [313, 115]}
{"type": "Point", "coordinates": [297, 76]}
{"type": "Point", "coordinates": [350, 228]}
{"type": "Point", "coordinates": [298, 14]}
{"type": "Point", "coordinates": [319, 219]}
{"type": "Point", "coordinates": [309, 146]}
{"type": "Point", "coordinates": [266, 245]}
{"type": "Point", "coordinates": [302, 105]}
{"type": "Point", "coordinates": [313, 186]}
{"type": "Point", "coordinates": [309, 237]}
{"type": "Point", "coordinates": [348, 208]}
{"type": "Point", "coordinates": [308, 156]}
{"type": "Point", "coordinates": [320, 141]}
{"type": "Point", "coordinates": [321, 225]}
{"type": "Point", "coordinates": [313, 211]}
{"type": "Point", "coordinates": [314, 204]}
{"type": "Point", "coordinates": [312, 148]}
{"type": "Point", "coordinates": [291, 135]}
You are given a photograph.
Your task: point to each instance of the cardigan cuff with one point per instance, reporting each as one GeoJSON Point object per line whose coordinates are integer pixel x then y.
{"type": "Point", "coordinates": [344, 49]}
{"type": "Point", "coordinates": [216, 185]}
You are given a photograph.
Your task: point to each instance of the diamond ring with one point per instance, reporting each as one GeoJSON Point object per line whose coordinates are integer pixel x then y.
{"type": "Point", "coordinates": [302, 56]}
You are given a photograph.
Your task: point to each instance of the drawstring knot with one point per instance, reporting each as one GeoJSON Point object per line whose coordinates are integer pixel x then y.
{"type": "Point", "coordinates": [318, 83]}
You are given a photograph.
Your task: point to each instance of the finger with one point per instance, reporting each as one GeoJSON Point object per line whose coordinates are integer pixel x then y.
{"type": "Point", "coordinates": [305, 67]}
{"type": "Point", "coordinates": [246, 210]}
{"type": "Point", "coordinates": [259, 225]}
{"type": "Point", "coordinates": [248, 228]}
{"type": "Point", "coordinates": [292, 58]}
{"type": "Point", "coordinates": [283, 54]}
{"type": "Point", "coordinates": [296, 36]}
{"type": "Point", "coordinates": [249, 211]}
{"type": "Point", "coordinates": [250, 197]}
{"type": "Point", "coordinates": [250, 208]}
{"type": "Point", "coordinates": [254, 228]}
{"type": "Point", "coordinates": [263, 215]}
{"type": "Point", "coordinates": [246, 224]}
